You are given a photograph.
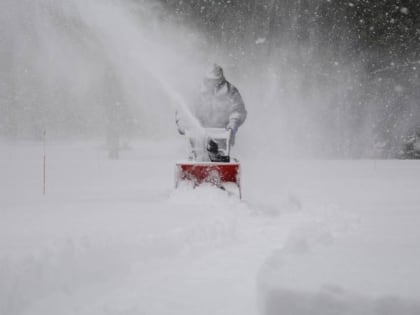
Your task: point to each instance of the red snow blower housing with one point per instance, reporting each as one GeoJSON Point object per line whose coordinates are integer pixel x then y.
{"type": "Point", "coordinates": [209, 161]}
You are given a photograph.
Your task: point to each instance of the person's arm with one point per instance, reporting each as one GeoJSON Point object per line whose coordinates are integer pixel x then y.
{"type": "Point", "coordinates": [238, 113]}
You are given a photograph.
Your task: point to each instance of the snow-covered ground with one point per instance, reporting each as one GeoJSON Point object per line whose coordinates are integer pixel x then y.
{"type": "Point", "coordinates": [113, 237]}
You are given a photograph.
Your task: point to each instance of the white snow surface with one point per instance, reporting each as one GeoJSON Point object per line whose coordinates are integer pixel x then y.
{"type": "Point", "coordinates": [114, 237]}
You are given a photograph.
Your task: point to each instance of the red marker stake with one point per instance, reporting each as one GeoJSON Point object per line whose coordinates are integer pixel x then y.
{"type": "Point", "coordinates": [44, 164]}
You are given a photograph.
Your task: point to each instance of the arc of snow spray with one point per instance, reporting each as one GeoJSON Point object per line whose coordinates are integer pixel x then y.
{"type": "Point", "coordinates": [180, 103]}
{"type": "Point", "coordinates": [98, 24]}
{"type": "Point", "coordinates": [198, 130]}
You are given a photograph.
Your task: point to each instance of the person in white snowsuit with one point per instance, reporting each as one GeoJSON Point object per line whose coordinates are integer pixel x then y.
{"type": "Point", "coordinates": [219, 104]}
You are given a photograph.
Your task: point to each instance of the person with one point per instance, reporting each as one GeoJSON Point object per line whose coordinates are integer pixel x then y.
{"type": "Point", "coordinates": [219, 104]}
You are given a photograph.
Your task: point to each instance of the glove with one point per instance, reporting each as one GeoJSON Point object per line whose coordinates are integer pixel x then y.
{"type": "Point", "coordinates": [181, 131]}
{"type": "Point", "coordinates": [232, 125]}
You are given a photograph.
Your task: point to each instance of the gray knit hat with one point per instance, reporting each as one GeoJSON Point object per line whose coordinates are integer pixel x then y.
{"type": "Point", "coordinates": [215, 72]}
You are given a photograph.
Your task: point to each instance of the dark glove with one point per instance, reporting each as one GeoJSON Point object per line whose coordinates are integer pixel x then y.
{"type": "Point", "coordinates": [181, 131]}
{"type": "Point", "coordinates": [232, 125]}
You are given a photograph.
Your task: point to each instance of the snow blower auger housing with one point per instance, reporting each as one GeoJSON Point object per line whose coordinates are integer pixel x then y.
{"type": "Point", "coordinates": [209, 161]}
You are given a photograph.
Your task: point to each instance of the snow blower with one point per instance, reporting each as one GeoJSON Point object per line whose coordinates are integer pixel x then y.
{"type": "Point", "coordinates": [209, 161]}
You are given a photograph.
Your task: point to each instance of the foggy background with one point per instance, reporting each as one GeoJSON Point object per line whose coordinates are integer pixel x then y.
{"type": "Point", "coordinates": [320, 78]}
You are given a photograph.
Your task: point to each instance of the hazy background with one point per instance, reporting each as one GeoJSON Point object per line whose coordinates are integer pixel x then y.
{"type": "Point", "coordinates": [320, 78]}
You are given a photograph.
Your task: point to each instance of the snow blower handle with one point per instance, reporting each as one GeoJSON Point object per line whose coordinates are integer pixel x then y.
{"type": "Point", "coordinates": [198, 144]}
{"type": "Point", "coordinates": [231, 138]}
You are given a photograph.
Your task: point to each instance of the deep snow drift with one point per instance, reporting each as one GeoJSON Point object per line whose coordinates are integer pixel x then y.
{"type": "Point", "coordinates": [113, 237]}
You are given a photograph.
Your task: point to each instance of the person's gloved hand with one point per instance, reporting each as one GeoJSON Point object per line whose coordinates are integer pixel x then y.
{"type": "Point", "coordinates": [181, 130]}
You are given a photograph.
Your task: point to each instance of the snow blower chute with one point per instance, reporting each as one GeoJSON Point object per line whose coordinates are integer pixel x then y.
{"type": "Point", "coordinates": [209, 161]}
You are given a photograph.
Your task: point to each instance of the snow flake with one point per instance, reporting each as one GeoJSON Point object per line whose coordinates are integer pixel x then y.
{"type": "Point", "coordinates": [260, 40]}
{"type": "Point", "coordinates": [398, 88]}
{"type": "Point", "coordinates": [404, 10]}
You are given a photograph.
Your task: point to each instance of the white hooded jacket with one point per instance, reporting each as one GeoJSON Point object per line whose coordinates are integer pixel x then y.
{"type": "Point", "coordinates": [217, 106]}
{"type": "Point", "coordinates": [220, 107]}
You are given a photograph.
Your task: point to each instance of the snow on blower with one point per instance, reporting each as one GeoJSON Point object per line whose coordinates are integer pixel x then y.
{"type": "Point", "coordinates": [209, 161]}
